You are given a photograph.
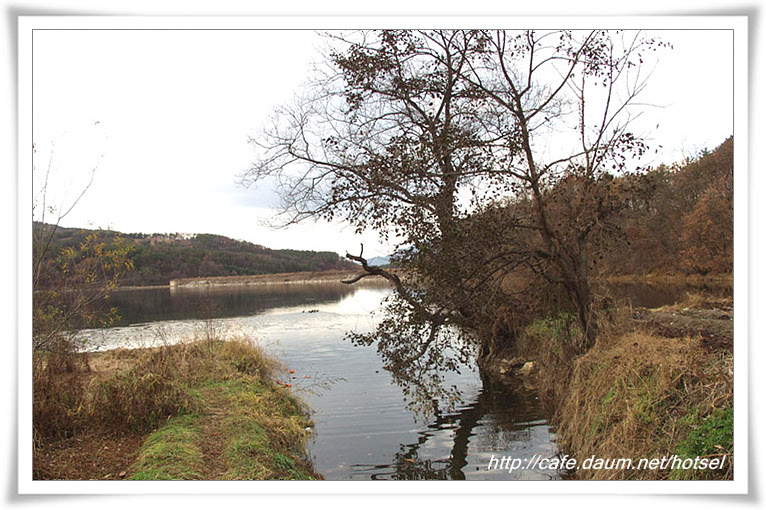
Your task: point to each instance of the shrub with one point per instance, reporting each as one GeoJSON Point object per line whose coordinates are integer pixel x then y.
{"type": "Point", "coordinates": [554, 344]}
{"type": "Point", "coordinates": [138, 401]}
{"type": "Point", "coordinates": [59, 390]}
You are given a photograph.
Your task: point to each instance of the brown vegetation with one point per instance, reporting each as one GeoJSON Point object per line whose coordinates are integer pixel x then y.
{"type": "Point", "coordinates": [408, 123]}
{"type": "Point", "coordinates": [645, 390]}
{"type": "Point", "coordinates": [96, 416]}
{"type": "Point", "coordinates": [661, 227]}
{"type": "Point", "coordinates": [678, 219]}
{"type": "Point", "coordinates": [640, 396]}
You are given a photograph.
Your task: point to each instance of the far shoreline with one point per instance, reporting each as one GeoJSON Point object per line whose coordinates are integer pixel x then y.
{"type": "Point", "coordinates": [337, 275]}
{"type": "Point", "coordinates": [300, 277]}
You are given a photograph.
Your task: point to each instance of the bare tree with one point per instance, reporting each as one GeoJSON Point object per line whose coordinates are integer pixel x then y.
{"type": "Point", "coordinates": [577, 90]}
{"type": "Point", "coordinates": [415, 133]}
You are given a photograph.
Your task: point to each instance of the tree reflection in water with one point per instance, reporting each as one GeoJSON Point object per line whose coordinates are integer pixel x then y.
{"type": "Point", "coordinates": [509, 412]}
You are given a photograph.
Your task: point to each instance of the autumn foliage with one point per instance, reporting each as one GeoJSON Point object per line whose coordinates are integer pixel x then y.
{"type": "Point", "coordinates": [678, 220]}
{"type": "Point", "coordinates": [434, 139]}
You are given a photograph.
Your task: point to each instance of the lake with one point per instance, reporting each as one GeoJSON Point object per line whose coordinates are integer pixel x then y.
{"type": "Point", "coordinates": [364, 429]}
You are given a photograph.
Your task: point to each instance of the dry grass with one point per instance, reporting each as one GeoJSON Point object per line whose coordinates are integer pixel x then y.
{"type": "Point", "coordinates": [134, 390]}
{"type": "Point", "coordinates": [635, 394]}
{"type": "Point", "coordinates": [640, 396]}
{"type": "Point", "coordinates": [86, 401]}
{"type": "Point", "coordinates": [701, 301]}
{"type": "Point", "coordinates": [59, 390]}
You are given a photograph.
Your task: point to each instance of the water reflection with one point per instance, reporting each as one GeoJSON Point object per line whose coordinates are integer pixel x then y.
{"type": "Point", "coordinates": [364, 428]}
{"type": "Point", "coordinates": [459, 445]}
{"type": "Point", "coordinates": [651, 295]}
{"type": "Point", "coordinates": [187, 303]}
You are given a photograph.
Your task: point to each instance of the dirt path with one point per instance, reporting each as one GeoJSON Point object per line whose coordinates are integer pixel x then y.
{"type": "Point", "coordinates": [213, 439]}
{"type": "Point", "coordinates": [715, 327]}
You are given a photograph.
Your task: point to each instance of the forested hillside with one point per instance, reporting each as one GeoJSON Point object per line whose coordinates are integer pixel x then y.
{"type": "Point", "coordinates": [678, 219]}
{"type": "Point", "coordinates": [159, 258]}
{"type": "Point", "coordinates": [667, 221]}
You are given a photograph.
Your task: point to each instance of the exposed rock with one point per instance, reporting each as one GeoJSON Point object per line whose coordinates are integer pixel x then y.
{"type": "Point", "coordinates": [505, 366]}
{"type": "Point", "coordinates": [527, 368]}
{"type": "Point", "coordinates": [509, 366]}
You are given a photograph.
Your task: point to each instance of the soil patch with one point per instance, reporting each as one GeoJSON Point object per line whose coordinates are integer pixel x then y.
{"type": "Point", "coordinates": [213, 438]}
{"type": "Point", "coordinates": [87, 457]}
{"type": "Point", "coordinates": [714, 327]}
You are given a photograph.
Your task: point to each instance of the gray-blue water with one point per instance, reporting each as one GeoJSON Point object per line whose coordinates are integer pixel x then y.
{"type": "Point", "coordinates": [363, 427]}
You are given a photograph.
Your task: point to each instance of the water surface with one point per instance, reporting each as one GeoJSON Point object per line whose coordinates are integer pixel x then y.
{"type": "Point", "coordinates": [364, 429]}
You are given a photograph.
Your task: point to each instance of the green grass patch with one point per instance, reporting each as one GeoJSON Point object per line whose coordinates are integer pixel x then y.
{"type": "Point", "coordinates": [208, 409]}
{"type": "Point", "coordinates": [172, 453]}
{"type": "Point", "coordinates": [260, 428]}
{"type": "Point", "coordinates": [266, 430]}
{"type": "Point", "coordinates": [563, 325]}
{"type": "Point", "coordinates": [708, 437]}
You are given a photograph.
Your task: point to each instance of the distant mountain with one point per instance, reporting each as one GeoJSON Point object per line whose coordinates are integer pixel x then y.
{"type": "Point", "coordinates": [159, 258]}
{"type": "Point", "coordinates": [379, 261]}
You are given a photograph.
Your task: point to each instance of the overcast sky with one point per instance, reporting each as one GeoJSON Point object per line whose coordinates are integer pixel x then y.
{"type": "Point", "coordinates": [164, 117]}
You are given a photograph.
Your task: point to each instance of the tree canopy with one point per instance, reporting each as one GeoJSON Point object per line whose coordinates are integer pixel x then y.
{"type": "Point", "coordinates": [482, 153]}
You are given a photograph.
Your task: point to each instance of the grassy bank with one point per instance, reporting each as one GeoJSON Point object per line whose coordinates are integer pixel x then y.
{"type": "Point", "coordinates": [643, 391]}
{"type": "Point", "coordinates": [206, 410]}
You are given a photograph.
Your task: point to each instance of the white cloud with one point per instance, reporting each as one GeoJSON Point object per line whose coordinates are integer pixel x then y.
{"type": "Point", "coordinates": [171, 111]}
